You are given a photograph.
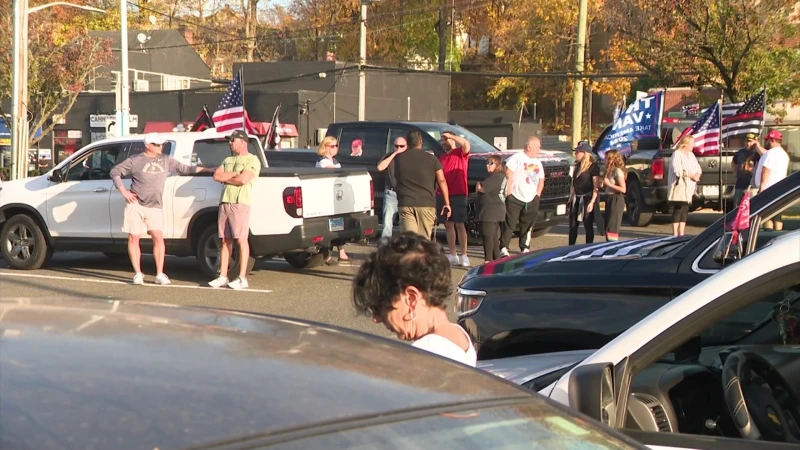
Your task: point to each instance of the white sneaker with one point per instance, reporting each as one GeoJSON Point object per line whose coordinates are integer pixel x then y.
{"type": "Point", "coordinates": [503, 252]}
{"type": "Point", "coordinates": [138, 278]}
{"type": "Point", "coordinates": [219, 282]}
{"type": "Point", "coordinates": [526, 250]}
{"type": "Point", "coordinates": [162, 279]}
{"type": "Point", "coordinates": [239, 283]}
{"type": "Point", "coordinates": [453, 260]}
{"type": "Point", "coordinates": [464, 261]}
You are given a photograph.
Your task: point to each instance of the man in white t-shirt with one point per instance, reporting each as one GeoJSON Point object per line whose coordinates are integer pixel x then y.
{"type": "Point", "coordinates": [525, 175]}
{"type": "Point", "coordinates": [772, 168]}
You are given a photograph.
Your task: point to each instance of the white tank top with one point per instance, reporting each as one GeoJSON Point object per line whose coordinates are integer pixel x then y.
{"type": "Point", "coordinates": [447, 348]}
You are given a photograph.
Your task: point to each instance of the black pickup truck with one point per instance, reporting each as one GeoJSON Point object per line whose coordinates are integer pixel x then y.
{"type": "Point", "coordinates": [582, 296]}
{"type": "Point", "coordinates": [648, 170]}
{"type": "Point", "coordinates": [377, 140]}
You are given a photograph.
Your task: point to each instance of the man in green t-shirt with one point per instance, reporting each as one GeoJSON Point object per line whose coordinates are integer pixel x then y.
{"type": "Point", "coordinates": [237, 173]}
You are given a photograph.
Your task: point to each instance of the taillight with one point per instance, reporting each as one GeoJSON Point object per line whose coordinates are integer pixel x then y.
{"type": "Point", "coordinates": [657, 172]}
{"type": "Point", "coordinates": [714, 152]}
{"type": "Point", "coordinates": [468, 302]}
{"type": "Point", "coordinates": [293, 201]}
{"type": "Point", "coordinates": [372, 195]}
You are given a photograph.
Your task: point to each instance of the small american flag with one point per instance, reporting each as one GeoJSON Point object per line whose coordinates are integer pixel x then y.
{"type": "Point", "coordinates": [749, 118]}
{"type": "Point", "coordinates": [230, 114]}
{"type": "Point", "coordinates": [705, 131]}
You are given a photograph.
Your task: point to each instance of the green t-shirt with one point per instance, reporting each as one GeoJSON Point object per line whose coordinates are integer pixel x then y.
{"type": "Point", "coordinates": [238, 164]}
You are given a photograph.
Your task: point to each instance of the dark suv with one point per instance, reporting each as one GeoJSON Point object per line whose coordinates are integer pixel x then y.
{"type": "Point", "coordinates": [378, 138]}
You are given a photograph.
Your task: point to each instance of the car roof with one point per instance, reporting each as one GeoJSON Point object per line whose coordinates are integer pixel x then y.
{"type": "Point", "coordinates": [392, 122]}
{"type": "Point", "coordinates": [173, 136]}
{"type": "Point", "coordinates": [106, 374]}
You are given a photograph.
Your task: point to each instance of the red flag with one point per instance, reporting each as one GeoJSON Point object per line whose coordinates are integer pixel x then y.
{"type": "Point", "coordinates": [203, 121]}
{"type": "Point", "coordinates": [742, 219]}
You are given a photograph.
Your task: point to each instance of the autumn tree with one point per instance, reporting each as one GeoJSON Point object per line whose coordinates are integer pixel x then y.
{"type": "Point", "coordinates": [739, 46]}
{"type": "Point", "coordinates": [62, 61]}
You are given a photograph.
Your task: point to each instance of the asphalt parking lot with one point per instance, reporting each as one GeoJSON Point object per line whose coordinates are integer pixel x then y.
{"type": "Point", "coordinates": [321, 294]}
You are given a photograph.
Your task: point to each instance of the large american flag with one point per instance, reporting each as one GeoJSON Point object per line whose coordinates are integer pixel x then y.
{"type": "Point", "coordinates": [749, 118]}
{"type": "Point", "coordinates": [230, 114]}
{"type": "Point", "coordinates": [705, 131]}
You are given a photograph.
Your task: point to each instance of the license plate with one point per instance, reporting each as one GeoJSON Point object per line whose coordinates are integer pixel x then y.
{"type": "Point", "coordinates": [711, 191]}
{"type": "Point", "coordinates": [336, 224]}
{"type": "Point", "coordinates": [561, 210]}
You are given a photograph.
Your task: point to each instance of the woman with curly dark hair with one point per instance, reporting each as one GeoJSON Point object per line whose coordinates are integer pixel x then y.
{"type": "Point", "coordinates": [404, 285]}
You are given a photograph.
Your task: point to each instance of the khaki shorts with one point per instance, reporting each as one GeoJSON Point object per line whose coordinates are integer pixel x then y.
{"type": "Point", "coordinates": [417, 219]}
{"type": "Point", "coordinates": [234, 221]}
{"type": "Point", "coordinates": [140, 219]}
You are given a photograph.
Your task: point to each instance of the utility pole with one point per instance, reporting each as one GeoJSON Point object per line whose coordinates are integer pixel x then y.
{"type": "Point", "coordinates": [123, 120]}
{"type": "Point", "coordinates": [442, 34]}
{"type": "Point", "coordinates": [362, 60]}
{"type": "Point", "coordinates": [577, 93]}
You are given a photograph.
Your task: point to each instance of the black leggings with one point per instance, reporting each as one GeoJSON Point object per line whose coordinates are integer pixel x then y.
{"type": "Point", "coordinates": [588, 223]}
{"type": "Point", "coordinates": [680, 212]}
{"type": "Point", "coordinates": [490, 232]}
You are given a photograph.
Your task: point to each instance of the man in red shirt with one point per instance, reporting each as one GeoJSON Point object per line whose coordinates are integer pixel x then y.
{"type": "Point", "coordinates": [455, 162]}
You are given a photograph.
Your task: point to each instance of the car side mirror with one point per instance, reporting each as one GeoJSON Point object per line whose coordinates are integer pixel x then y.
{"type": "Point", "coordinates": [591, 391]}
{"type": "Point", "coordinates": [56, 176]}
{"type": "Point", "coordinates": [730, 249]}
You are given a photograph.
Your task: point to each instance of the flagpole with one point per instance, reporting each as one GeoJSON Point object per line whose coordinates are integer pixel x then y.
{"type": "Point", "coordinates": [244, 109]}
{"type": "Point", "coordinates": [719, 152]}
{"type": "Point", "coordinates": [208, 115]}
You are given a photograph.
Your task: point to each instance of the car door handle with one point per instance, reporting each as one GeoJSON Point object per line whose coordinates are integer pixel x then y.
{"type": "Point", "coordinates": [101, 190]}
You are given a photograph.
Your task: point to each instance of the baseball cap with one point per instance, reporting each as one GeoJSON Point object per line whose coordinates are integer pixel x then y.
{"type": "Point", "coordinates": [153, 138]}
{"type": "Point", "coordinates": [583, 146]}
{"type": "Point", "coordinates": [356, 142]}
{"type": "Point", "coordinates": [751, 136]}
{"type": "Point", "coordinates": [238, 134]}
{"type": "Point", "coordinates": [774, 134]}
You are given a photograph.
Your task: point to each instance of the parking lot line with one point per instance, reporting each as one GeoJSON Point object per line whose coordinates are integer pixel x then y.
{"type": "Point", "coordinates": [123, 283]}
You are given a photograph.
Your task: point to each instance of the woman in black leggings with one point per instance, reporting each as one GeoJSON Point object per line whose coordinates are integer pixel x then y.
{"type": "Point", "coordinates": [492, 207]}
{"type": "Point", "coordinates": [585, 184]}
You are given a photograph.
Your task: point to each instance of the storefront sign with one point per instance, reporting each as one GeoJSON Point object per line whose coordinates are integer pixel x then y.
{"type": "Point", "coordinates": [102, 120]}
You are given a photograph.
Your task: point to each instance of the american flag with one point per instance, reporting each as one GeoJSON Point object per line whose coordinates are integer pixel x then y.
{"type": "Point", "coordinates": [230, 114]}
{"type": "Point", "coordinates": [749, 118]}
{"type": "Point", "coordinates": [706, 132]}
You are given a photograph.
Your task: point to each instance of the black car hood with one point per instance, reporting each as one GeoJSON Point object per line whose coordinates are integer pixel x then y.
{"type": "Point", "coordinates": [605, 257]}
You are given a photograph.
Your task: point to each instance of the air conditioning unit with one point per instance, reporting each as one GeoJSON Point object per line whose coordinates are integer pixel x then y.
{"type": "Point", "coordinates": [320, 135]}
{"type": "Point", "coordinates": [141, 86]}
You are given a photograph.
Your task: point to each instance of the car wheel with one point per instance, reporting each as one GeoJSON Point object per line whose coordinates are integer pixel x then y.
{"type": "Point", "coordinates": [639, 214]}
{"type": "Point", "coordinates": [24, 244]}
{"type": "Point", "coordinates": [207, 254]}
{"type": "Point", "coordinates": [306, 260]}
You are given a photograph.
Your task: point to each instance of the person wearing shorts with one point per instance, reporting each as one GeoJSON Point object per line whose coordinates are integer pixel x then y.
{"type": "Point", "coordinates": [237, 175]}
{"type": "Point", "coordinates": [143, 213]}
{"type": "Point", "coordinates": [455, 163]}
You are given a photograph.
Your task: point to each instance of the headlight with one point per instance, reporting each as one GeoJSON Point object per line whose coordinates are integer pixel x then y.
{"type": "Point", "coordinates": [468, 302]}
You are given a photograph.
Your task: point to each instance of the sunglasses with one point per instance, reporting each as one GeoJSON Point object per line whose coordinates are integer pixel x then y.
{"type": "Point", "coordinates": [400, 146]}
{"type": "Point", "coordinates": [332, 146]}
{"type": "Point", "coordinates": [489, 163]}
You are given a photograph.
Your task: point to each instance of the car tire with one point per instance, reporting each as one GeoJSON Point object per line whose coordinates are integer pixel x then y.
{"type": "Point", "coordinates": [306, 260]}
{"type": "Point", "coordinates": [207, 254]}
{"type": "Point", "coordinates": [24, 246]}
{"type": "Point", "coordinates": [638, 213]}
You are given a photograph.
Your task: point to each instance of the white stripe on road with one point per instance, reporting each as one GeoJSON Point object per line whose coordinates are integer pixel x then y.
{"type": "Point", "coordinates": [124, 283]}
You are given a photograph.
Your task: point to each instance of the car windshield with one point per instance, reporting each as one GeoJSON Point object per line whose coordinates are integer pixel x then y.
{"type": "Point", "coordinates": [526, 426]}
{"type": "Point", "coordinates": [477, 144]}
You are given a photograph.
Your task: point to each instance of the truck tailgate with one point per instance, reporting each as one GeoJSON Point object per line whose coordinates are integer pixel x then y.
{"type": "Point", "coordinates": [336, 194]}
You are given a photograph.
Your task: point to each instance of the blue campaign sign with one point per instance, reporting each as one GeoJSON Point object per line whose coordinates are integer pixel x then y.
{"type": "Point", "coordinates": [640, 120]}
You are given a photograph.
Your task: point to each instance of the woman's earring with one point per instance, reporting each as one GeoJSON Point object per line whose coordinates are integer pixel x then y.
{"type": "Point", "coordinates": [413, 315]}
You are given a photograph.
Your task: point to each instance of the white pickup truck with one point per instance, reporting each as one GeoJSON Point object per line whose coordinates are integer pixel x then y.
{"type": "Point", "coordinates": [296, 213]}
